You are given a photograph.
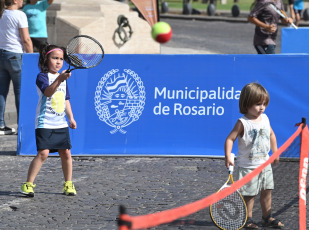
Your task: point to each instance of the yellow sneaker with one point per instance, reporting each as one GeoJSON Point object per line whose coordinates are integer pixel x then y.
{"type": "Point", "coordinates": [27, 189]}
{"type": "Point", "coordinates": [69, 189]}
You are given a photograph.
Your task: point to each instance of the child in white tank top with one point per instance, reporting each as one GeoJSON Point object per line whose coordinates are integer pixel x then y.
{"type": "Point", "coordinates": [255, 139]}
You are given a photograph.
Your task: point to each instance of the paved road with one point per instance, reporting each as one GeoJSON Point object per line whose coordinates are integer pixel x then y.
{"type": "Point", "coordinates": [214, 36]}
{"type": "Point", "coordinates": [143, 185]}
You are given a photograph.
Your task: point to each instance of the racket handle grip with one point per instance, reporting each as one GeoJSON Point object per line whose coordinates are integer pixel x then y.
{"type": "Point", "coordinates": [231, 167]}
{"type": "Point", "coordinates": [68, 71]}
{"type": "Point", "coordinates": [295, 27]}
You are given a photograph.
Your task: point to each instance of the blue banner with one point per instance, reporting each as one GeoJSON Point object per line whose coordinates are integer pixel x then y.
{"type": "Point", "coordinates": [168, 105]}
{"type": "Point", "coordinates": [295, 41]}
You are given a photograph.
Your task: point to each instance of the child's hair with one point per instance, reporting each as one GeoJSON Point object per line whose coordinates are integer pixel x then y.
{"type": "Point", "coordinates": [44, 54]}
{"type": "Point", "coordinates": [252, 94]}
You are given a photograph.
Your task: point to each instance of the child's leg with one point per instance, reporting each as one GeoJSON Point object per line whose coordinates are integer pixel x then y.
{"type": "Point", "coordinates": [297, 19]}
{"type": "Point", "coordinates": [292, 11]}
{"type": "Point", "coordinates": [250, 224]}
{"type": "Point", "coordinates": [265, 201]}
{"type": "Point", "coordinates": [268, 220]}
{"type": "Point", "coordinates": [36, 164]}
{"type": "Point", "coordinates": [67, 168]}
{"type": "Point", "coordinates": [250, 203]}
{"type": "Point", "coordinates": [66, 160]}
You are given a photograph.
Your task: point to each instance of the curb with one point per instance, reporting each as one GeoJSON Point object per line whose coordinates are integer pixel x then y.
{"type": "Point", "coordinates": [204, 18]}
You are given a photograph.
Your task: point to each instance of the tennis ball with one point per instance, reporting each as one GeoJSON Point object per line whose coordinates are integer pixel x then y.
{"type": "Point", "coordinates": [161, 32]}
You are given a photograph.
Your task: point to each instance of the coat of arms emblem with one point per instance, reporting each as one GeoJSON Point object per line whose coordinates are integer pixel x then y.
{"type": "Point", "coordinates": [119, 99]}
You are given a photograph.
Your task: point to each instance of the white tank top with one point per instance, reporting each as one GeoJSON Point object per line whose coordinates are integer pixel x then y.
{"type": "Point", "coordinates": [254, 146]}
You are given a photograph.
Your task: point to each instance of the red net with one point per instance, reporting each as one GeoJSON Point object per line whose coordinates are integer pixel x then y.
{"type": "Point", "coordinates": [297, 146]}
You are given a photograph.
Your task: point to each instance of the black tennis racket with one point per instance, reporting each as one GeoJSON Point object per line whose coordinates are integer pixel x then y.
{"type": "Point", "coordinates": [229, 213]}
{"type": "Point", "coordinates": [84, 52]}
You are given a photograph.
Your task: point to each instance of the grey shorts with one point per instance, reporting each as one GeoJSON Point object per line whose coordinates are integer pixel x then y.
{"type": "Point", "coordinates": [262, 181]}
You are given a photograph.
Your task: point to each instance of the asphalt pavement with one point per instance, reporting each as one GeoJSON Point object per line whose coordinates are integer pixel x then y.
{"type": "Point", "coordinates": [143, 184]}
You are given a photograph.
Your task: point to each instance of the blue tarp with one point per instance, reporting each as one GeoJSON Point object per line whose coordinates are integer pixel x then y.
{"type": "Point", "coordinates": [295, 41]}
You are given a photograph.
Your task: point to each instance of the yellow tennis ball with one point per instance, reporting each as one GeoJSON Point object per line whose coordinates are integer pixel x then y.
{"type": "Point", "coordinates": [161, 32]}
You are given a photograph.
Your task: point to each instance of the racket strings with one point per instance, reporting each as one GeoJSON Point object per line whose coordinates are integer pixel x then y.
{"type": "Point", "coordinates": [84, 52]}
{"type": "Point", "coordinates": [229, 213]}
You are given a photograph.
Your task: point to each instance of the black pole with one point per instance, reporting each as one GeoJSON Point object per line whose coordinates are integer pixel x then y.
{"type": "Point", "coordinates": [158, 10]}
{"type": "Point", "coordinates": [127, 224]}
{"type": "Point", "coordinates": [303, 120]}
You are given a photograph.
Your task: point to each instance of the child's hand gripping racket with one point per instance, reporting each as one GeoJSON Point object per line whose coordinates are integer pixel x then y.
{"type": "Point", "coordinates": [229, 213]}
{"type": "Point", "coordinates": [84, 52]}
{"type": "Point", "coordinates": [282, 14]}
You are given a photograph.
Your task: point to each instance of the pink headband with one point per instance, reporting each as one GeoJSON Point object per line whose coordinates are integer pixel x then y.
{"type": "Point", "coordinates": [53, 50]}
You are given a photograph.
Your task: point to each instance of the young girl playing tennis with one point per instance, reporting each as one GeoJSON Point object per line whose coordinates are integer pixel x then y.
{"type": "Point", "coordinates": [255, 139]}
{"type": "Point", "coordinates": [51, 128]}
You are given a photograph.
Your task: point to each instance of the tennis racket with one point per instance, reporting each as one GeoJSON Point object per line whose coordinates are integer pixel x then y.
{"type": "Point", "coordinates": [84, 52]}
{"type": "Point", "coordinates": [229, 213]}
{"type": "Point", "coordinates": [282, 14]}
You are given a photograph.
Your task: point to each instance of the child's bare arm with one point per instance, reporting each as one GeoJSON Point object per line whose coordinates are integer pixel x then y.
{"type": "Point", "coordinates": [50, 90]}
{"type": "Point", "coordinates": [69, 113]}
{"type": "Point", "coordinates": [236, 131]}
{"type": "Point", "coordinates": [273, 144]}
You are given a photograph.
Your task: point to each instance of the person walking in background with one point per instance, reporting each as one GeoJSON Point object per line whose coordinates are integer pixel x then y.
{"type": "Point", "coordinates": [298, 8]}
{"type": "Point", "coordinates": [266, 25]}
{"type": "Point", "coordinates": [255, 139]}
{"type": "Point", "coordinates": [36, 14]}
{"type": "Point", "coordinates": [51, 127]}
{"type": "Point", "coordinates": [14, 40]}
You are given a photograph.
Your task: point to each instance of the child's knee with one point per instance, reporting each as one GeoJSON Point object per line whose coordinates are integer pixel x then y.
{"type": "Point", "coordinates": [43, 154]}
{"type": "Point", "coordinates": [65, 154]}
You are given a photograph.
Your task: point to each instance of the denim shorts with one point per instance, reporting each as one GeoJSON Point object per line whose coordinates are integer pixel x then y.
{"type": "Point", "coordinates": [262, 181]}
{"type": "Point", "coordinates": [266, 49]}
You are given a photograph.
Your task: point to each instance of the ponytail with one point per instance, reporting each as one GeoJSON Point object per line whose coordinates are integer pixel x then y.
{"type": "Point", "coordinates": [43, 58]}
